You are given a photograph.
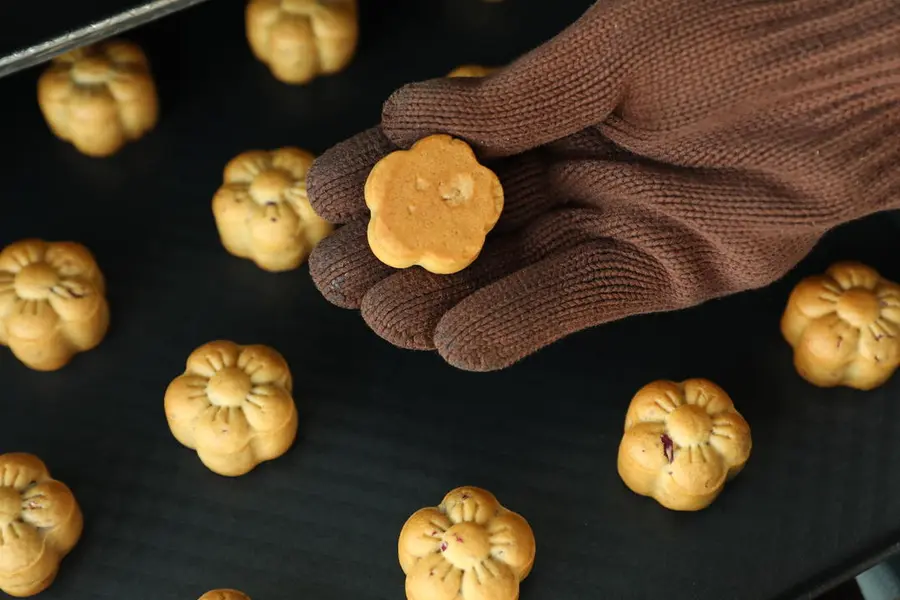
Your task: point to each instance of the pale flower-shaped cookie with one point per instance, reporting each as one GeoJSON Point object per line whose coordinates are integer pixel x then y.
{"type": "Point", "coordinates": [468, 548]}
{"type": "Point", "coordinates": [99, 97]}
{"type": "Point", "coordinates": [262, 211]}
{"type": "Point", "coordinates": [301, 39]}
{"type": "Point", "coordinates": [233, 405]}
{"type": "Point", "coordinates": [52, 302]}
{"type": "Point", "coordinates": [431, 205]}
{"type": "Point", "coordinates": [224, 595]}
{"type": "Point", "coordinates": [682, 442]}
{"type": "Point", "coordinates": [40, 522]}
{"type": "Point", "coordinates": [844, 327]}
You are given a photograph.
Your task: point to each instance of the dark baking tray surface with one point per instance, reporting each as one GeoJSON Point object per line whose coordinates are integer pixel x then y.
{"type": "Point", "coordinates": [32, 32]}
{"type": "Point", "coordinates": [386, 431]}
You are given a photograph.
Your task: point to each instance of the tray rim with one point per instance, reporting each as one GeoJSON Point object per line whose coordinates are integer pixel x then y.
{"type": "Point", "coordinates": [92, 32]}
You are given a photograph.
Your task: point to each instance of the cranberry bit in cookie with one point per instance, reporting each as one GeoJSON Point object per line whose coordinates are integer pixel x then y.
{"type": "Point", "coordinates": [668, 447]}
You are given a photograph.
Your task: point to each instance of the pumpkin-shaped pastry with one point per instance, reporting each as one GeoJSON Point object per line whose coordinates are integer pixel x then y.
{"type": "Point", "coordinates": [468, 548]}
{"type": "Point", "coordinates": [471, 71]}
{"type": "Point", "coordinates": [224, 595]}
{"type": "Point", "coordinates": [682, 442]}
{"type": "Point", "coordinates": [432, 205]}
{"type": "Point", "coordinates": [844, 327]}
{"type": "Point", "coordinates": [40, 522]}
{"type": "Point", "coordinates": [262, 211]}
{"type": "Point", "coordinates": [233, 405]}
{"type": "Point", "coordinates": [99, 97]}
{"type": "Point", "coordinates": [52, 302]}
{"type": "Point", "coordinates": [301, 39]}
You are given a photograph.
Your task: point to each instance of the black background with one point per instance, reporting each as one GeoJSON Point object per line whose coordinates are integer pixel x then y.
{"type": "Point", "coordinates": [386, 431]}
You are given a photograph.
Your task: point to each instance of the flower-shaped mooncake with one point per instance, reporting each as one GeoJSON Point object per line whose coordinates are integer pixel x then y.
{"type": "Point", "coordinates": [471, 71]}
{"type": "Point", "coordinates": [224, 595]}
{"type": "Point", "coordinates": [682, 442]}
{"type": "Point", "coordinates": [99, 97]}
{"type": "Point", "coordinates": [52, 302]}
{"type": "Point", "coordinates": [262, 211]}
{"type": "Point", "coordinates": [301, 39]}
{"type": "Point", "coordinates": [844, 327]}
{"type": "Point", "coordinates": [40, 522]}
{"type": "Point", "coordinates": [233, 405]}
{"type": "Point", "coordinates": [431, 205]}
{"type": "Point", "coordinates": [468, 548]}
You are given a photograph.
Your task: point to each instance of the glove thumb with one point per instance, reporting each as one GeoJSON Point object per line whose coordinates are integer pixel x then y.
{"type": "Point", "coordinates": [568, 83]}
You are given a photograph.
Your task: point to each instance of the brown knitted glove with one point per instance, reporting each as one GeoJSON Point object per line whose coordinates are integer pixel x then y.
{"type": "Point", "coordinates": [655, 155]}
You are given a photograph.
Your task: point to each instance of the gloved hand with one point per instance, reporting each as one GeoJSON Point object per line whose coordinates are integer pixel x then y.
{"type": "Point", "coordinates": [654, 155]}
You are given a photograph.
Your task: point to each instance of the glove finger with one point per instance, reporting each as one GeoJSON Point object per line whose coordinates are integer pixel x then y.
{"type": "Point", "coordinates": [525, 191]}
{"type": "Point", "coordinates": [568, 83]}
{"type": "Point", "coordinates": [593, 283]}
{"type": "Point", "coordinates": [406, 307]}
{"type": "Point", "coordinates": [527, 187]}
{"type": "Point", "coordinates": [343, 268]}
{"type": "Point", "coordinates": [336, 179]}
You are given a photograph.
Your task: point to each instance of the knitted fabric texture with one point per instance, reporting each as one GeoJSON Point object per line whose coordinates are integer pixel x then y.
{"type": "Point", "coordinates": [654, 155]}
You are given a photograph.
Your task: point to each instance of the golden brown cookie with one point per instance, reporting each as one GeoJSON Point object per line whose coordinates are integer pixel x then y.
{"type": "Point", "coordinates": [262, 211]}
{"type": "Point", "coordinates": [224, 595]}
{"type": "Point", "coordinates": [471, 71]}
{"type": "Point", "coordinates": [52, 302]}
{"type": "Point", "coordinates": [469, 547]}
{"type": "Point", "coordinates": [682, 442]}
{"type": "Point", "coordinates": [40, 522]}
{"type": "Point", "coordinates": [844, 327]}
{"type": "Point", "coordinates": [301, 39]}
{"type": "Point", "coordinates": [233, 405]}
{"type": "Point", "coordinates": [431, 205]}
{"type": "Point", "coordinates": [99, 97]}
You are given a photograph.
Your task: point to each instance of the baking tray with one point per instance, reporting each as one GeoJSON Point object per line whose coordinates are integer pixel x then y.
{"type": "Point", "coordinates": [386, 431]}
{"type": "Point", "coordinates": [33, 32]}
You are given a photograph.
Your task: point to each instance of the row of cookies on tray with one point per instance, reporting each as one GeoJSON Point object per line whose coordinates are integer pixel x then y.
{"type": "Point", "coordinates": [682, 443]}
{"type": "Point", "coordinates": [102, 96]}
{"type": "Point", "coordinates": [233, 404]}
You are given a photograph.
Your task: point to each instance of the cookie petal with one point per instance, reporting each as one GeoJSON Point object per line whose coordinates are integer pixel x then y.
{"type": "Point", "coordinates": [433, 578]}
{"type": "Point", "coordinates": [185, 399]}
{"type": "Point", "coordinates": [22, 253]}
{"type": "Point", "coordinates": [829, 342]}
{"type": "Point", "coordinates": [212, 357]}
{"type": "Point", "coordinates": [697, 471]}
{"type": "Point", "coordinates": [850, 274]}
{"type": "Point", "coordinates": [421, 536]}
{"type": "Point", "coordinates": [75, 299]}
{"type": "Point", "coordinates": [72, 260]}
{"type": "Point", "coordinates": [31, 320]}
{"type": "Point", "coordinates": [490, 580]}
{"type": "Point", "coordinates": [222, 430]}
{"type": "Point", "coordinates": [245, 167]}
{"type": "Point", "coordinates": [268, 407]}
{"type": "Point", "coordinates": [643, 456]}
{"type": "Point", "coordinates": [707, 395]}
{"type": "Point", "coordinates": [8, 295]}
{"type": "Point", "coordinates": [731, 438]}
{"type": "Point", "coordinates": [654, 402]}
{"type": "Point", "coordinates": [470, 504]}
{"type": "Point", "coordinates": [19, 470]}
{"type": "Point", "coordinates": [47, 504]}
{"type": "Point", "coordinates": [265, 365]}
{"type": "Point", "coordinates": [512, 542]}
{"type": "Point", "coordinates": [20, 546]}
{"type": "Point", "coordinates": [293, 160]}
